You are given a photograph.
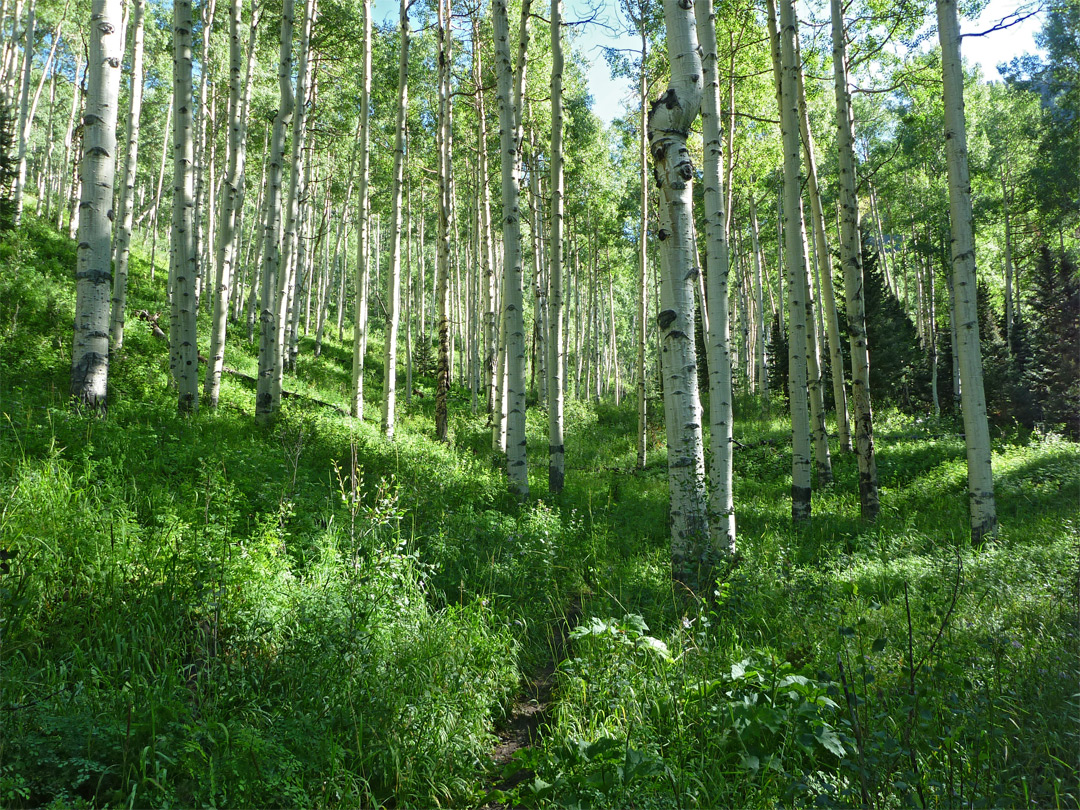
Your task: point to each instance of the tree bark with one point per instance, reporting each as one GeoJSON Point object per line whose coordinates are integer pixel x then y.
{"type": "Point", "coordinates": [127, 178]}
{"type": "Point", "coordinates": [556, 358]}
{"type": "Point", "coordinates": [670, 119]}
{"type": "Point", "coordinates": [442, 286]}
{"type": "Point", "coordinates": [851, 261]}
{"type": "Point", "coordinates": [973, 399]}
{"type": "Point", "coordinates": [394, 276]}
{"type": "Point", "coordinates": [183, 339]}
{"type": "Point", "coordinates": [717, 270]}
{"type": "Point", "coordinates": [362, 234]}
{"type": "Point", "coordinates": [93, 272]}
{"type": "Point", "coordinates": [265, 405]}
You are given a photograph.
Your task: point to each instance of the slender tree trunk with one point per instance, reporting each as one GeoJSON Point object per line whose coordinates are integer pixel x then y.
{"type": "Point", "coordinates": [763, 319]}
{"type": "Point", "coordinates": [721, 495]}
{"type": "Point", "coordinates": [851, 261]}
{"type": "Point", "coordinates": [394, 276]}
{"type": "Point", "coordinates": [442, 286]}
{"type": "Point", "coordinates": [160, 186]}
{"type": "Point", "coordinates": [23, 130]}
{"type": "Point", "coordinates": [93, 273]}
{"type": "Point", "coordinates": [127, 178]}
{"type": "Point", "coordinates": [362, 233]}
{"type": "Point", "coordinates": [798, 339]}
{"type": "Point", "coordinates": [669, 122]}
{"type": "Point", "coordinates": [265, 404]}
{"type": "Point", "coordinates": [976, 428]}
{"type": "Point", "coordinates": [185, 260]}
{"type": "Point", "coordinates": [824, 264]}
{"type": "Point", "coordinates": [556, 357]}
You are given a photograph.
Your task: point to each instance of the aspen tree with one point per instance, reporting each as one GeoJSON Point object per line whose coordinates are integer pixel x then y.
{"type": "Point", "coordinates": [510, 93]}
{"type": "Point", "coordinates": [226, 232]}
{"type": "Point", "coordinates": [183, 340]}
{"type": "Point", "coordinates": [93, 272]}
{"type": "Point", "coordinates": [824, 265]}
{"type": "Point", "coordinates": [761, 377]}
{"type": "Point", "coordinates": [442, 285]}
{"type": "Point", "coordinates": [265, 404]}
{"type": "Point", "coordinates": [851, 261]}
{"type": "Point", "coordinates": [721, 496]}
{"type": "Point", "coordinates": [23, 130]}
{"type": "Point", "coordinates": [127, 178]}
{"type": "Point", "coordinates": [156, 208]}
{"type": "Point", "coordinates": [556, 358]}
{"type": "Point", "coordinates": [798, 339]}
{"type": "Point", "coordinates": [643, 251]}
{"type": "Point", "coordinates": [286, 291]}
{"type": "Point", "coordinates": [362, 209]}
{"type": "Point", "coordinates": [962, 255]}
{"type": "Point", "coordinates": [670, 119]}
{"type": "Point", "coordinates": [389, 400]}
{"type": "Point", "coordinates": [487, 257]}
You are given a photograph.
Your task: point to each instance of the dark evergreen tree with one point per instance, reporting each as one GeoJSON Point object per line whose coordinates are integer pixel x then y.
{"type": "Point", "coordinates": [1054, 372]}
{"type": "Point", "coordinates": [8, 163]}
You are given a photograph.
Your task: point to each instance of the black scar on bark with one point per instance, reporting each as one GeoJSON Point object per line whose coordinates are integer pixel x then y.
{"type": "Point", "coordinates": [666, 318]}
{"type": "Point", "coordinates": [662, 234]}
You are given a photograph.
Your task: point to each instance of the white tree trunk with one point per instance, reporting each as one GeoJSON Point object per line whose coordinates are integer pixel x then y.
{"type": "Point", "coordinates": [265, 405]}
{"type": "Point", "coordinates": [556, 358]}
{"type": "Point", "coordinates": [965, 314]}
{"type": "Point", "coordinates": [721, 496]}
{"type": "Point", "coordinates": [851, 261]}
{"type": "Point", "coordinates": [442, 285]}
{"type": "Point", "coordinates": [796, 270]}
{"type": "Point", "coordinates": [510, 84]}
{"type": "Point", "coordinates": [23, 130]}
{"type": "Point", "coordinates": [670, 120]}
{"type": "Point", "coordinates": [127, 178]}
{"type": "Point", "coordinates": [394, 276]}
{"type": "Point", "coordinates": [183, 337]}
{"type": "Point", "coordinates": [362, 209]}
{"type": "Point", "coordinates": [93, 273]}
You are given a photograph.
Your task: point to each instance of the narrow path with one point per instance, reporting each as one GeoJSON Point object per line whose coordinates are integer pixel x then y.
{"type": "Point", "coordinates": [527, 722]}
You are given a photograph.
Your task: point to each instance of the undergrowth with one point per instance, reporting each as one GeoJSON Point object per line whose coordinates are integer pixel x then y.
{"type": "Point", "coordinates": [201, 612]}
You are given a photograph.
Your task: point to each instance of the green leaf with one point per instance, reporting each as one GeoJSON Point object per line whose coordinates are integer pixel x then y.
{"type": "Point", "coordinates": [878, 645]}
{"type": "Point", "coordinates": [831, 740]}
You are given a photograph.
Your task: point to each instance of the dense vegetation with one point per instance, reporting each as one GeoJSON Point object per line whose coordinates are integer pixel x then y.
{"type": "Point", "coordinates": [198, 612]}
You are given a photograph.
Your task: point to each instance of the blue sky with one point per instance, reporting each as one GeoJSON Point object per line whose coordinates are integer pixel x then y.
{"type": "Point", "coordinates": [610, 95]}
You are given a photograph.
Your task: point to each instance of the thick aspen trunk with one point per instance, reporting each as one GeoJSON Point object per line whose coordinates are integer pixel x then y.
{"type": "Point", "coordinates": [184, 352]}
{"type": "Point", "coordinates": [670, 119]}
{"type": "Point", "coordinates": [794, 237]}
{"type": "Point", "coordinates": [389, 402]}
{"type": "Point", "coordinates": [973, 400]}
{"type": "Point", "coordinates": [511, 92]}
{"type": "Point", "coordinates": [721, 417]}
{"type": "Point", "coordinates": [851, 261]}
{"type": "Point", "coordinates": [127, 179]}
{"type": "Point", "coordinates": [93, 272]}
{"type": "Point", "coordinates": [265, 404]}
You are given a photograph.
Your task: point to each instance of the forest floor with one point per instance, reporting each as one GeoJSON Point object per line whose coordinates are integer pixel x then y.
{"type": "Point", "coordinates": [201, 612]}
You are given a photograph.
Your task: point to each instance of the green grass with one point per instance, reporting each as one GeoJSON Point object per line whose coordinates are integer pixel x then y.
{"type": "Point", "coordinates": [203, 612]}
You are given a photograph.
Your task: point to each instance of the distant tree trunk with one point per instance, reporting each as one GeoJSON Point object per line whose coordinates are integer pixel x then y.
{"type": "Point", "coordinates": [556, 357]}
{"type": "Point", "coordinates": [798, 339]}
{"type": "Point", "coordinates": [760, 350]}
{"type": "Point", "coordinates": [183, 336]}
{"type": "Point", "coordinates": [127, 178]}
{"type": "Point", "coordinates": [721, 496]}
{"type": "Point", "coordinates": [265, 405]}
{"type": "Point", "coordinates": [393, 281]}
{"type": "Point", "coordinates": [670, 119]}
{"type": "Point", "coordinates": [1008, 257]}
{"type": "Point", "coordinates": [511, 92]}
{"type": "Point", "coordinates": [851, 261]}
{"type": "Point", "coordinates": [93, 273]}
{"type": "Point", "coordinates": [160, 186]}
{"type": "Point", "coordinates": [973, 399]}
